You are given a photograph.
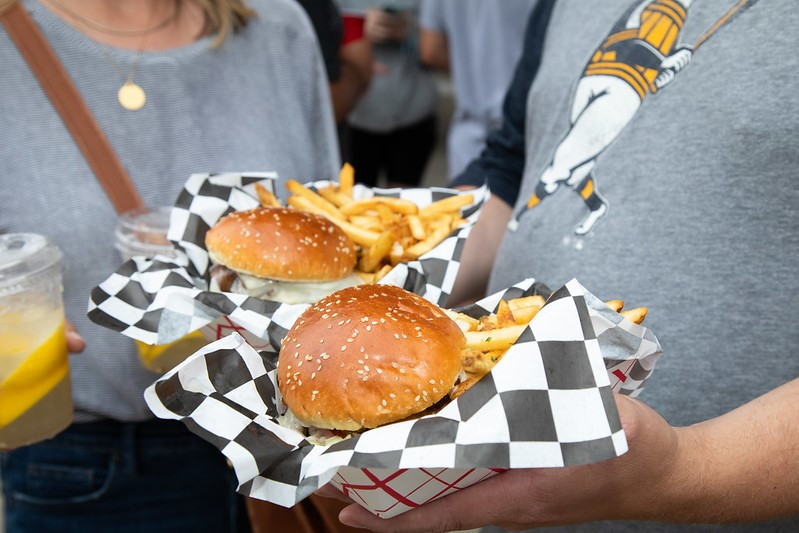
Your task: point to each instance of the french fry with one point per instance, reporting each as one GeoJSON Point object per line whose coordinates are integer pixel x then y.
{"type": "Point", "coordinates": [369, 222]}
{"type": "Point", "coordinates": [505, 315]}
{"type": "Point", "coordinates": [358, 235]}
{"type": "Point", "coordinates": [346, 179]}
{"type": "Point", "coordinates": [380, 274]}
{"type": "Point", "coordinates": [524, 315]}
{"type": "Point", "coordinates": [616, 305]}
{"type": "Point", "coordinates": [495, 339]}
{"type": "Point", "coordinates": [322, 206]}
{"type": "Point", "coordinates": [266, 197]}
{"type": "Point", "coordinates": [465, 322]}
{"type": "Point", "coordinates": [636, 314]}
{"type": "Point", "coordinates": [416, 227]}
{"type": "Point", "coordinates": [528, 301]}
{"type": "Point", "coordinates": [432, 240]}
{"type": "Point", "coordinates": [451, 203]}
{"type": "Point", "coordinates": [371, 260]}
{"type": "Point", "coordinates": [487, 323]}
{"type": "Point", "coordinates": [398, 205]}
{"type": "Point", "coordinates": [334, 196]}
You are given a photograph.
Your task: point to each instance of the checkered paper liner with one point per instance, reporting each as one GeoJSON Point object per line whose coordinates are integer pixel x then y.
{"type": "Point", "coordinates": [159, 300]}
{"type": "Point", "coordinates": [547, 403]}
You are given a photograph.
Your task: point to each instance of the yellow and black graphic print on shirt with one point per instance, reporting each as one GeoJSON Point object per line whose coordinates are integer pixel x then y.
{"type": "Point", "coordinates": [641, 56]}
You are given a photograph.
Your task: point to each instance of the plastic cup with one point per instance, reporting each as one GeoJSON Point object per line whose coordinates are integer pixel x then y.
{"type": "Point", "coordinates": [143, 232]}
{"type": "Point", "coordinates": [35, 389]}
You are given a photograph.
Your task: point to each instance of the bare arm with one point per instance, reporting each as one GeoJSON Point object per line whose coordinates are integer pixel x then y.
{"type": "Point", "coordinates": [479, 252]}
{"type": "Point", "coordinates": [742, 466]}
{"type": "Point", "coordinates": [356, 73]}
{"type": "Point", "coordinates": [434, 49]}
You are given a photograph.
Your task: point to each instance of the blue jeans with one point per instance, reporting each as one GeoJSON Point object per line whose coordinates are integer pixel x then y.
{"type": "Point", "coordinates": [123, 477]}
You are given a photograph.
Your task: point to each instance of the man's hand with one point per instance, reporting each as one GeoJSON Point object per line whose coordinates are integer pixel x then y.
{"type": "Point", "coordinates": [739, 467]}
{"type": "Point", "coordinates": [520, 499]}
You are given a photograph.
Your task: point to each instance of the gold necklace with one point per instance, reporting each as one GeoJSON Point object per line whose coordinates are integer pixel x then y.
{"type": "Point", "coordinates": [120, 32]}
{"type": "Point", "coordinates": [130, 96]}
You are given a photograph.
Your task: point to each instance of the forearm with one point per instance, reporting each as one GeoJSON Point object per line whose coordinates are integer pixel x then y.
{"type": "Point", "coordinates": [356, 73]}
{"type": "Point", "coordinates": [434, 49]}
{"type": "Point", "coordinates": [479, 252]}
{"type": "Point", "coordinates": [346, 91]}
{"type": "Point", "coordinates": [742, 466]}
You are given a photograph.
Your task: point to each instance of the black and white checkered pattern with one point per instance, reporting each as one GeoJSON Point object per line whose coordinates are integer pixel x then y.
{"type": "Point", "coordinates": [160, 300]}
{"type": "Point", "coordinates": [547, 403]}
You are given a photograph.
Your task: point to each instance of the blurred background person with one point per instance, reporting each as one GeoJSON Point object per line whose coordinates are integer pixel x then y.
{"type": "Point", "coordinates": [229, 86]}
{"type": "Point", "coordinates": [479, 43]}
{"type": "Point", "coordinates": [392, 130]}
{"type": "Point", "coordinates": [346, 52]}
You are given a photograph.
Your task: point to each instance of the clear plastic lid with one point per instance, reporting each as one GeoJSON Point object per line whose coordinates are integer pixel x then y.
{"type": "Point", "coordinates": [142, 232]}
{"type": "Point", "coordinates": [25, 258]}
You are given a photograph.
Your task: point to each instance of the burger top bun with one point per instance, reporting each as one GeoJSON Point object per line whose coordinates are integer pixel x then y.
{"type": "Point", "coordinates": [280, 243]}
{"type": "Point", "coordinates": [366, 356]}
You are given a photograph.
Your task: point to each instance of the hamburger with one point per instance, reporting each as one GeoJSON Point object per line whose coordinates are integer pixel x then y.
{"type": "Point", "coordinates": [280, 254]}
{"type": "Point", "coordinates": [366, 356]}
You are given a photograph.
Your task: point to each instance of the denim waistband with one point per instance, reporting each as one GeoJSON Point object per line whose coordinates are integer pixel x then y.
{"type": "Point", "coordinates": [114, 430]}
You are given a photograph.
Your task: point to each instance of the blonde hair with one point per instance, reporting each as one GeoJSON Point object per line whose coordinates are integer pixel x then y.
{"type": "Point", "coordinates": [221, 16]}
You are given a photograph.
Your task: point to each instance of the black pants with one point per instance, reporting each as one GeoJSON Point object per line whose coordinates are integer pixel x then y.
{"type": "Point", "coordinates": [402, 154]}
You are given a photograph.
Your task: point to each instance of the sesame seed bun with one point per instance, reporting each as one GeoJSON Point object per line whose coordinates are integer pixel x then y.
{"type": "Point", "coordinates": [368, 355]}
{"type": "Point", "coordinates": [283, 244]}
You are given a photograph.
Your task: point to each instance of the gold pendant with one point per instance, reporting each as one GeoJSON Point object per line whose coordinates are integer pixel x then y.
{"type": "Point", "coordinates": [131, 96]}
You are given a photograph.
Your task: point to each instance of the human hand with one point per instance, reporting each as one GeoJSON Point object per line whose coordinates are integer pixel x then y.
{"type": "Point", "coordinates": [630, 486]}
{"type": "Point", "coordinates": [75, 343]}
{"type": "Point", "coordinates": [381, 26]}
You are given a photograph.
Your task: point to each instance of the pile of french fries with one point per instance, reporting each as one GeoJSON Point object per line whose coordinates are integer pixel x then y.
{"type": "Point", "coordinates": [490, 336]}
{"type": "Point", "coordinates": [387, 230]}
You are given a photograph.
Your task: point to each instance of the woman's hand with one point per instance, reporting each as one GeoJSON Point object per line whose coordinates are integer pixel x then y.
{"type": "Point", "coordinates": [75, 343]}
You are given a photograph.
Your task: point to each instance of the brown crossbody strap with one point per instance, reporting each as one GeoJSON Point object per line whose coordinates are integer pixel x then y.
{"type": "Point", "coordinates": [73, 110]}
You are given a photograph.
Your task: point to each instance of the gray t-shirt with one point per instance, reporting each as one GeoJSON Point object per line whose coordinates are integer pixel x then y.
{"type": "Point", "coordinates": [688, 193]}
{"type": "Point", "coordinates": [260, 102]}
{"type": "Point", "coordinates": [485, 41]}
{"type": "Point", "coordinates": [401, 93]}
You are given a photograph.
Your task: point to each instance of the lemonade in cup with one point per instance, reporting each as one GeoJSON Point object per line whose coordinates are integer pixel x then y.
{"type": "Point", "coordinates": [143, 232]}
{"type": "Point", "coordinates": [35, 389]}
